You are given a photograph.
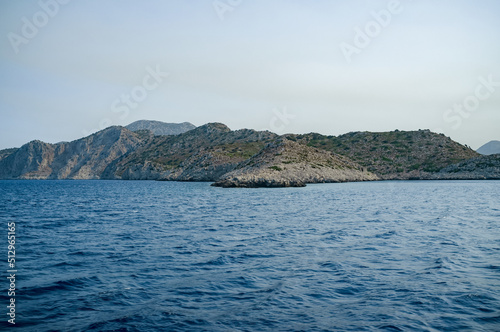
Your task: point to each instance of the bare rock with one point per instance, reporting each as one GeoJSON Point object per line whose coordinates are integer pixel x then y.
{"type": "Point", "coordinates": [285, 163]}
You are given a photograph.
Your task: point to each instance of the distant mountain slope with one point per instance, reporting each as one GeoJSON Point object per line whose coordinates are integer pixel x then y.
{"type": "Point", "coordinates": [86, 158]}
{"type": "Point", "coordinates": [161, 128]}
{"type": "Point", "coordinates": [284, 163]}
{"type": "Point", "coordinates": [395, 154]}
{"type": "Point", "coordinates": [7, 152]}
{"type": "Point", "coordinates": [492, 147]}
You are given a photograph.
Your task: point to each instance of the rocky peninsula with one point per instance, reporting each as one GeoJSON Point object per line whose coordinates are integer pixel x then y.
{"type": "Point", "coordinates": [284, 163]}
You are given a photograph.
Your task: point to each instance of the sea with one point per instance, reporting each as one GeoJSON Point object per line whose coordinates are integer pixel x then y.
{"type": "Point", "coordinates": [99, 255]}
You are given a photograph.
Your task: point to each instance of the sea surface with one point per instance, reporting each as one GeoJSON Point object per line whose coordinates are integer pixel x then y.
{"type": "Point", "coordinates": [177, 256]}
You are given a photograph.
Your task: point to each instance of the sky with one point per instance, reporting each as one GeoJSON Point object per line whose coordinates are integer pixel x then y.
{"type": "Point", "coordinates": [69, 68]}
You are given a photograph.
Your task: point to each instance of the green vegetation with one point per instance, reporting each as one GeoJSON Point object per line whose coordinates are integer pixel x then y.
{"type": "Point", "coordinates": [276, 168]}
{"type": "Point", "coordinates": [215, 139]}
{"type": "Point", "coordinates": [393, 152]}
{"type": "Point", "coordinates": [242, 150]}
{"type": "Point", "coordinates": [384, 153]}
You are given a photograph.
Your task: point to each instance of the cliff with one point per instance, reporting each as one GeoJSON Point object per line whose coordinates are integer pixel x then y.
{"type": "Point", "coordinates": [86, 158]}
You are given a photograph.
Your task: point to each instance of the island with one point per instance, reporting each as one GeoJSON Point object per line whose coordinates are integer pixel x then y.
{"type": "Point", "coordinates": [153, 150]}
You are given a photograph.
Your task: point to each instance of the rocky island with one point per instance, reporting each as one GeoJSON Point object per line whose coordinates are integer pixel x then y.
{"type": "Point", "coordinates": [152, 150]}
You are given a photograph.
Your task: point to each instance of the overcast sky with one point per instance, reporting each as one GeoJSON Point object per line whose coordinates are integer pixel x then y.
{"type": "Point", "coordinates": [70, 68]}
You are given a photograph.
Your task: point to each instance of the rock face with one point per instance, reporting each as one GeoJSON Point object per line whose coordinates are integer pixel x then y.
{"type": "Point", "coordinates": [285, 163]}
{"type": "Point", "coordinates": [86, 158]}
{"type": "Point", "coordinates": [492, 147]}
{"type": "Point", "coordinates": [161, 128]}
{"type": "Point", "coordinates": [6, 152]}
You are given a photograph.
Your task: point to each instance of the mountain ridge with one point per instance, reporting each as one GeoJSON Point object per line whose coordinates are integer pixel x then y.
{"type": "Point", "coordinates": [85, 158]}
{"type": "Point", "coordinates": [246, 157]}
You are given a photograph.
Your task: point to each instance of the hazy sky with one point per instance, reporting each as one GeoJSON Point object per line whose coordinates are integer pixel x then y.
{"type": "Point", "coordinates": [69, 68]}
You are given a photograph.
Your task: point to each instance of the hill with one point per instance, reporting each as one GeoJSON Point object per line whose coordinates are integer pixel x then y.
{"type": "Point", "coordinates": [393, 155]}
{"type": "Point", "coordinates": [284, 163]}
{"type": "Point", "coordinates": [492, 147]}
{"type": "Point", "coordinates": [201, 154]}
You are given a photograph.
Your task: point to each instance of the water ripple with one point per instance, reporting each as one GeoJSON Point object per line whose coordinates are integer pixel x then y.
{"type": "Point", "coordinates": [148, 256]}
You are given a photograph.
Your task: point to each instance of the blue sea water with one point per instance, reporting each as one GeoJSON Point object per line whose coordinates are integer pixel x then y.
{"type": "Point", "coordinates": [177, 256]}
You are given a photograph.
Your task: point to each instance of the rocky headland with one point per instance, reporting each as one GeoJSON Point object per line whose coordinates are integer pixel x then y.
{"type": "Point", "coordinates": [284, 163]}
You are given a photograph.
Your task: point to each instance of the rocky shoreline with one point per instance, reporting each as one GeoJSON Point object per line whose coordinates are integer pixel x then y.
{"type": "Point", "coordinates": [258, 183]}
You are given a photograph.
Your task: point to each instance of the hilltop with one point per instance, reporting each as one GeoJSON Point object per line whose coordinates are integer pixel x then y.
{"type": "Point", "coordinates": [161, 128]}
{"type": "Point", "coordinates": [492, 147]}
